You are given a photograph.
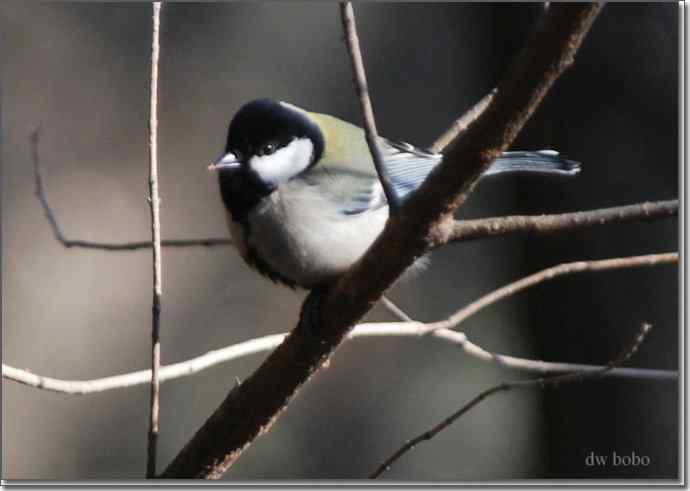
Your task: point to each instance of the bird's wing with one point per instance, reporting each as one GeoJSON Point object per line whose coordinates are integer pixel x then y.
{"type": "Point", "coordinates": [357, 189]}
{"type": "Point", "coordinates": [347, 175]}
{"type": "Point", "coordinates": [407, 166]}
{"type": "Point", "coordinates": [350, 191]}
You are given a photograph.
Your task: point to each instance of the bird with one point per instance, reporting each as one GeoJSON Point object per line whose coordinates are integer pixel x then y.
{"type": "Point", "coordinates": [303, 199]}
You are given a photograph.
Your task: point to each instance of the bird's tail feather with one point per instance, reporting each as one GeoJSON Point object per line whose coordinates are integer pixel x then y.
{"type": "Point", "coordinates": [542, 161]}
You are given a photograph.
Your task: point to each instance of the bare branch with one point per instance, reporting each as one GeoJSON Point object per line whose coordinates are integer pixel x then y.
{"type": "Point", "coordinates": [441, 330]}
{"type": "Point", "coordinates": [260, 345]}
{"type": "Point", "coordinates": [86, 244]}
{"type": "Point", "coordinates": [142, 377]}
{"type": "Point", "coordinates": [465, 230]}
{"type": "Point", "coordinates": [553, 382]}
{"type": "Point", "coordinates": [549, 274]}
{"type": "Point", "coordinates": [154, 202]}
{"type": "Point", "coordinates": [347, 16]}
{"type": "Point", "coordinates": [397, 312]}
{"type": "Point", "coordinates": [461, 124]}
{"type": "Point", "coordinates": [250, 408]}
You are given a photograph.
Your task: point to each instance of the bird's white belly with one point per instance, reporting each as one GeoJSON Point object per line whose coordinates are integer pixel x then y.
{"type": "Point", "coordinates": [306, 240]}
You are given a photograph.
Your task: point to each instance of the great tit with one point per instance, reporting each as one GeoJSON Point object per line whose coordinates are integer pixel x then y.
{"type": "Point", "coordinates": [303, 198]}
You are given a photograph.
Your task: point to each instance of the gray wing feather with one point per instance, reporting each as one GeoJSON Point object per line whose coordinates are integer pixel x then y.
{"type": "Point", "coordinates": [356, 192]}
{"type": "Point", "coordinates": [542, 161]}
{"type": "Point", "coordinates": [408, 167]}
{"type": "Point", "coordinates": [351, 191]}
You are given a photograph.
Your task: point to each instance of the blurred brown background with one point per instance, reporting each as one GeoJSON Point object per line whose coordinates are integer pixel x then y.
{"type": "Point", "coordinates": [81, 70]}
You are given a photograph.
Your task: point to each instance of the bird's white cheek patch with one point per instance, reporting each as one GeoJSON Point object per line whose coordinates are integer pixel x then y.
{"type": "Point", "coordinates": [285, 163]}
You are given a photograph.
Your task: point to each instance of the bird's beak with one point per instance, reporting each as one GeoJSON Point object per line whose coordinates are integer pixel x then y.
{"type": "Point", "coordinates": [226, 161]}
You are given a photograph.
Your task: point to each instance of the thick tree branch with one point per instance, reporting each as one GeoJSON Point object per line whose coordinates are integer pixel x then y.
{"type": "Point", "coordinates": [154, 202]}
{"type": "Point", "coordinates": [546, 382]}
{"type": "Point", "coordinates": [251, 408]}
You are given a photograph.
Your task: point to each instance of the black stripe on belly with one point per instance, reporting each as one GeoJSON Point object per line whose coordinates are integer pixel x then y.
{"type": "Point", "coordinates": [242, 192]}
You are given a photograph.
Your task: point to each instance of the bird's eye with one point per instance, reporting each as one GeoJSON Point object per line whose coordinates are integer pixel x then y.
{"type": "Point", "coordinates": [268, 148]}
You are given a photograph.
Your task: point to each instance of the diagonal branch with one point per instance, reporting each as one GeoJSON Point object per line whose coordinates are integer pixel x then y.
{"type": "Point", "coordinates": [546, 382]}
{"type": "Point", "coordinates": [396, 311]}
{"type": "Point", "coordinates": [251, 408]}
{"type": "Point", "coordinates": [347, 16]}
{"type": "Point", "coordinates": [549, 274]}
{"type": "Point", "coordinates": [461, 124]}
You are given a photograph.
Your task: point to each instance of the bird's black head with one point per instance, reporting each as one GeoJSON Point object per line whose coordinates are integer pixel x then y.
{"type": "Point", "coordinates": [269, 142]}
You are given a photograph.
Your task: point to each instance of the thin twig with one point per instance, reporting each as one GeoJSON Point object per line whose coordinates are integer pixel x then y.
{"type": "Point", "coordinates": [461, 124]}
{"type": "Point", "coordinates": [154, 201]}
{"type": "Point", "coordinates": [544, 382]}
{"type": "Point", "coordinates": [397, 312]}
{"type": "Point", "coordinates": [214, 358]}
{"type": "Point", "coordinates": [465, 230]}
{"type": "Point", "coordinates": [549, 274]}
{"type": "Point", "coordinates": [347, 16]}
{"type": "Point", "coordinates": [60, 236]}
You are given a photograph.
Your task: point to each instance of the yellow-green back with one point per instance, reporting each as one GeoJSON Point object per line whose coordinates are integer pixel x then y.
{"type": "Point", "coordinates": [345, 144]}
